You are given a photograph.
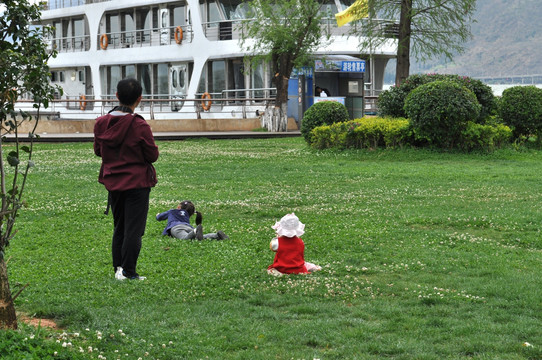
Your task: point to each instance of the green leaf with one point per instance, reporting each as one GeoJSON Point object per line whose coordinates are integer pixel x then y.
{"type": "Point", "coordinates": [13, 160]}
{"type": "Point", "coordinates": [25, 148]}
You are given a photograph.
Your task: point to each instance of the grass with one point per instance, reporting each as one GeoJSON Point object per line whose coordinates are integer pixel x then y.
{"type": "Point", "coordinates": [425, 255]}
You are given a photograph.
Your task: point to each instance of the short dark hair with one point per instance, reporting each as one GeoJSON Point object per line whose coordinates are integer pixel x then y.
{"type": "Point", "coordinates": [188, 206]}
{"type": "Point", "coordinates": [128, 91]}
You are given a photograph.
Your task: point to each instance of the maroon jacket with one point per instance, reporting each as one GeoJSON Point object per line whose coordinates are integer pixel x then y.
{"type": "Point", "coordinates": [126, 146]}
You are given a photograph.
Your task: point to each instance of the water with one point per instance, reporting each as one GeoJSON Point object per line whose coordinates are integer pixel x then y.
{"type": "Point", "coordinates": [497, 88]}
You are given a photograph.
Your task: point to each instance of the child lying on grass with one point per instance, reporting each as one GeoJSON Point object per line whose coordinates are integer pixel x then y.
{"type": "Point", "coordinates": [178, 223]}
{"type": "Point", "coordinates": [289, 248]}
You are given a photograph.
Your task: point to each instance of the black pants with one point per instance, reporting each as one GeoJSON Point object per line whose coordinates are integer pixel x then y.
{"type": "Point", "coordinates": [130, 210]}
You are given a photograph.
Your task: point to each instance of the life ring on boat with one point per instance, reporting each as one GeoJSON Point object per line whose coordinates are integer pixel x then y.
{"type": "Point", "coordinates": [104, 41]}
{"type": "Point", "coordinates": [206, 105]}
{"type": "Point", "coordinates": [82, 102]}
{"type": "Point", "coordinates": [178, 34]}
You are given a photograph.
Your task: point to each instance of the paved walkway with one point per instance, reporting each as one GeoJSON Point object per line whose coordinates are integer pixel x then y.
{"type": "Point", "coordinates": [85, 137]}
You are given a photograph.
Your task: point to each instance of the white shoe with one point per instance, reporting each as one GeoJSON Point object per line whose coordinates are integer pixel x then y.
{"type": "Point", "coordinates": [119, 275]}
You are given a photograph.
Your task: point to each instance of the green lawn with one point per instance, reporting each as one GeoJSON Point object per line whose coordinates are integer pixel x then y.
{"type": "Point", "coordinates": [425, 255]}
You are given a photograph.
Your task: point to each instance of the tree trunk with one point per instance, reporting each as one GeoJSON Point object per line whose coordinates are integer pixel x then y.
{"type": "Point", "coordinates": [402, 69]}
{"type": "Point", "coordinates": [8, 318]}
{"type": "Point", "coordinates": [276, 118]}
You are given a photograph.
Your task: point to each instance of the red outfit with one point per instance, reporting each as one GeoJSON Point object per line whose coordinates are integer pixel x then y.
{"type": "Point", "coordinates": [126, 146]}
{"type": "Point", "coordinates": [290, 258]}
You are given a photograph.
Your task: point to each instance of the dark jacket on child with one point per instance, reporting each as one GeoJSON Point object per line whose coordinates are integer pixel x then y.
{"type": "Point", "coordinates": [127, 148]}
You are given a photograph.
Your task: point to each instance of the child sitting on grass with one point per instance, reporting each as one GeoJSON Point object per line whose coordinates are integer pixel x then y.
{"type": "Point", "coordinates": [178, 223]}
{"type": "Point", "coordinates": [289, 248]}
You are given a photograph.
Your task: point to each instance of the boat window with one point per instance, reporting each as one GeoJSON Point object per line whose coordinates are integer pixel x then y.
{"type": "Point", "coordinates": [328, 10]}
{"type": "Point", "coordinates": [144, 77]}
{"type": "Point", "coordinates": [181, 78]}
{"type": "Point", "coordinates": [113, 77]}
{"type": "Point", "coordinates": [258, 80]}
{"type": "Point", "coordinates": [143, 22]}
{"type": "Point", "coordinates": [128, 22]}
{"type": "Point", "coordinates": [174, 78]}
{"type": "Point", "coordinates": [78, 27]}
{"type": "Point", "coordinates": [164, 19]}
{"type": "Point", "coordinates": [240, 12]}
{"type": "Point", "coordinates": [213, 13]}
{"type": "Point", "coordinates": [129, 71]}
{"type": "Point", "coordinates": [161, 86]}
{"type": "Point", "coordinates": [155, 18]}
{"type": "Point", "coordinates": [229, 7]}
{"type": "Point", "coordinates": [346, 4]}
{"type": "Point", "coordinates": [239, 77]}
{"type": "Point", "coordinates": [112, 24]}
{"type": "Point", "coordinates": [218, 73]}
{"type": "Point", "coordinates": [203, 80]}
{"type": "Point", "coordinates": [178, 15]}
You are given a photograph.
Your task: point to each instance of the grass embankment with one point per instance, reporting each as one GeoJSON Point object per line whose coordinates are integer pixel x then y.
{"type": "Point", "coordinates": [425, 255]}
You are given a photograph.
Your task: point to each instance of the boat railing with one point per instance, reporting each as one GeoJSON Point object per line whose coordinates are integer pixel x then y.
{"type": "Point", "coordinates": [152, 107]}
{"type": "Point", "coordinates": [239, 95]}
{"type": "Point", "coordinates": [70, 43]}
{"type": "Point", "coordinates": [145, 37]}
{"type": "Point", "coordinates": [60, 4]}
{"type": "Point", "coordinates": [233, 29]}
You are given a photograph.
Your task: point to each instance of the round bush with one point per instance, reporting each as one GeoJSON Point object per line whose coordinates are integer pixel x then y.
{"type": "Point", "coordinates": [439, 111]}
{"type": "Point", "coordinates": [322, 113]}
{"type": "Point", "coordinates": [391, 102]}
{"type": "Point", "coordinates": [520, 107]}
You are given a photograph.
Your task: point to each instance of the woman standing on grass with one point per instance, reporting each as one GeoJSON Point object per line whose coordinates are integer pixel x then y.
{"type": "Point", "coordinates": [126, 145]}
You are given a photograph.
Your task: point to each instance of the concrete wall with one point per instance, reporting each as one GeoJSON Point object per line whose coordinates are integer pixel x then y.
{"type": "Point", "coordinates": [191, 125]}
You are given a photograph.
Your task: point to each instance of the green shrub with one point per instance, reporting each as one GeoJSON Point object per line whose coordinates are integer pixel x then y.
{"type": "Point", "coordinates": [520, 107]}
{"type": "Point", "coordinates": [368, 132]}
{"type": "Point", "coordinates": [439, 111]}
{"type": "Point", "coordinates": [485, 137]}
{"type": "Point", "coordinates": [322, 113]}
{"type": "Point", "coordinates": [391, 102]}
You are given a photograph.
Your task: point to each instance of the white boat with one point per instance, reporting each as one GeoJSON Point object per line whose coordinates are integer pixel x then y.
{"type": "Point", "coordinates": [181, 51]}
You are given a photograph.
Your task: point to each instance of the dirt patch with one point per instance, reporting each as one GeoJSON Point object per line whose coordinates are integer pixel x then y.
{"type": "Point", "coordinates": [37, 322]}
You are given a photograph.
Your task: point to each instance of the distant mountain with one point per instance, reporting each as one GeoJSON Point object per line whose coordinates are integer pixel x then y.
{"type": "Point", "coordinates": [507, 40]}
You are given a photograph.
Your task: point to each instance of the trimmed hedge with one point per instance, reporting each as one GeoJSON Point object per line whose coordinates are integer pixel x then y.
{"type": "Point", "coordinates": [485, 137]}
{"type": "Point", "coordinates": [520, 107]}
{"type": "Point", "coordinates": [377, 132]}
{"type": "Point", "coordinates": [322, 113]}
{"type": "Point", "coordinates": [391, 102]}
{"type": "Point", "coordinates": [439, 111]}
{"type": "Point", "coordinates": [367, 132]}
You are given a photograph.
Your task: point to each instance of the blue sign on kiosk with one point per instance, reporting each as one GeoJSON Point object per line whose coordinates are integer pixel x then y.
{"type": "Point", "coordinates": [340, 66]}
{"type": "Point", "coordinates": [353, 66]}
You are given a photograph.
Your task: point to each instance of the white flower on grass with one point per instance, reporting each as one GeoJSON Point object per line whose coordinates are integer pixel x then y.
{"type": "Point", "coordinates": [526, 344]}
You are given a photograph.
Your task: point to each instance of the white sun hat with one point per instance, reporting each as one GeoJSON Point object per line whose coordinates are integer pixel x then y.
{"type": "Point", "coordinates": [289, 226]}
